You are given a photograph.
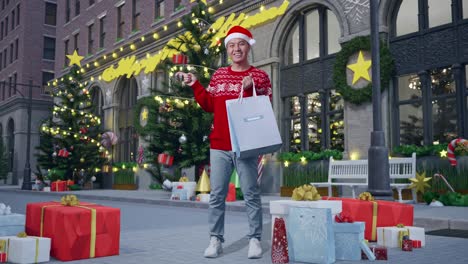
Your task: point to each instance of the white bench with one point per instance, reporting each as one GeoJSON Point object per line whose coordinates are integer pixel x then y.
{"type": "Point", "coordinates": [354, 173]}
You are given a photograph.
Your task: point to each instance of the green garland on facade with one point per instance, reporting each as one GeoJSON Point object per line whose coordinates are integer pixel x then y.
{"type": "Point", "coordinates": [359, 96]}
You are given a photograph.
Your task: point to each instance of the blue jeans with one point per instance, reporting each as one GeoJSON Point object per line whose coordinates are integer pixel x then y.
{"type": "Point", "coordinates": [222, 165]}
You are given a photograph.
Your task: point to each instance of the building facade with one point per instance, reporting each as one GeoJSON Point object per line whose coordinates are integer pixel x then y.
{"type": "Point", "coordinates": [27, 56]}
{"type": "Point", "coordinates": [297, 45]}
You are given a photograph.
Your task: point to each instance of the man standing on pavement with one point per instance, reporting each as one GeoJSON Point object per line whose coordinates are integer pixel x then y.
{"type": "Point", "coordinates": [226, 83]}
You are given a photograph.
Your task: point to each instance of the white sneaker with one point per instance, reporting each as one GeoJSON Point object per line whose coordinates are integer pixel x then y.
{"type": "Point", "coordinates": [214, 248]}
{"type": "Point", "coordinates": [255, 249]}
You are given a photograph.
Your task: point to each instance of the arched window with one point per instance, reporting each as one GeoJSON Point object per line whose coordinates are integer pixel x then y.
{"type": "Point", "coordinates": [430, 95]}
{"type": "Point", "coordinates": [415, 15]}
{"type": "Point", "coordinates": [97, 99]}
{"type": "Point", "coordinates": [10, 143]}
{"type": "Point", "coordinates": [314, 111]}
{"type": "Point", "coordinates": [127, 145]}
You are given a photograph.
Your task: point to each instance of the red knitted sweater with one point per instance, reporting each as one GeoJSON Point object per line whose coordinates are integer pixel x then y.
{"type": "Point", "coordinates": [226, 84]}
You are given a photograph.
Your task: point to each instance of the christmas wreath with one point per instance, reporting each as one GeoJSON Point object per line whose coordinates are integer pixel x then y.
{"type": "Point", "coordinates": [359, 96]}
{"type": "Point", "coordinates": [152, 107]}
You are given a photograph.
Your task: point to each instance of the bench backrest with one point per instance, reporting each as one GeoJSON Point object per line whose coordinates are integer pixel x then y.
{"type": "Point", "coordinates": [347, 169]}
{"type": "Point", "coordinates": [402, 168]}
{"type": "Point", "coordinates": [399, 168]}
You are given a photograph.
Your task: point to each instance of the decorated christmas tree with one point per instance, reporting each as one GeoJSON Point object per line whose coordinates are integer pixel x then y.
{"type": "Point", "coordinates": [70, 145]}
{"type": "Point", "coordinates": [176, 125]}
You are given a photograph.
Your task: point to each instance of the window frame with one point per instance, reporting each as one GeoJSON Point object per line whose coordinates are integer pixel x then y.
{"type": "Point", "coordinates": [50, 15]}
{"type": "Point", "coordinates": [323, 89]}
{"type": "Point", "coordinates": [102, 32]}
{"type": "Point", "coordinates": [135, 16]}
{"type": "Point", "coordinates": [120, 22]}
{"type": "Point", "coordinates": [90, 39]}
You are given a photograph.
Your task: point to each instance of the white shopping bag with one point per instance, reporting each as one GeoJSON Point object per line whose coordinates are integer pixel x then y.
{"type": "Point", "coordinates": [252, 125]}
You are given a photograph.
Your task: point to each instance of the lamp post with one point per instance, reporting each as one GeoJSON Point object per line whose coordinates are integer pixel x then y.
{"type": "Point", "coordinates": [27, 166]}
{"type": "Point", "coordinates": [379, 176]}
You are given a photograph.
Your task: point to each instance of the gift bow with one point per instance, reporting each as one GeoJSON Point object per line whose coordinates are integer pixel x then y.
{"type": "Point", "coordinates": [343, 218]}
{"type": "Point", "coordinates": [22, 234]}
{"type": "Point", "coordinates": [183, 179]}
{"type": "Point", "coordinates": [305, 193]}
{"type": "Point", "coordinates": [366, 196]}
{"type": "Point", "coordinates": [69, 200]}
{"type": "Point", "coordinates": [400, 225]}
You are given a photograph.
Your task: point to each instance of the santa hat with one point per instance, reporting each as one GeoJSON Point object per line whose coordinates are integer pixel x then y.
{"type": "Point", "coordinates": [239, 32]}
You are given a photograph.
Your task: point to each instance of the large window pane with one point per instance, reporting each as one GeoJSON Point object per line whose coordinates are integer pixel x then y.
{"type": "Point", "coordinates": [409, 87]}
{"type": "Point", "coordinates": [314, 105]}
{"type": "Point", "coordinates": [314, 132]}
{"type": "Point", "coordinates": [312, 33]}
{"type": "Point", "coordinates": [440, 12]}
{"type": "Point", "coordinates": [465, 8]}
{"type": "Point", "coordinates": [295, 106]}
{"type": "Point", "coordinates": [295, 135]}
{"type": "Point", "coordinates": [407, 19]}
{"type": "Point", "coordinates": [337, 131]}
{"type": "Point", "coordinates": [444, 116]}
{"type": "Point", "coordinates": [411, 124]}
{"type": "Point", "coordinates": [442, 82]}
{"type": "Point", "coordinates": [333, 32]}
{"type": "Point", "coordinates": [336, 101]}
{"type": "Point", "coordinates": [292, 46]}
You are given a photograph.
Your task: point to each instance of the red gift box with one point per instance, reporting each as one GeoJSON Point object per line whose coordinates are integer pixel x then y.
{"type": "Point", "coordinates": [416, 243]}
{"type": "Point", "coordinates": [77, 232]}
{"type": "Point", "coordinates": [165, 159]}
{"type": "Point", "coordinates": [69, 183]}
{"type": "Point", "coordinates": [179, 59]}
{"type": "Point", "coordinates": [58, 186]}
{"type": "Point", "coordinates": [376, 214]}
{"type": "Point", "coordinates": [3, 257]}
{"type": "Point", "coordinates": [379, 252]}
{"type": "Point", "coordinates": [407, 245]}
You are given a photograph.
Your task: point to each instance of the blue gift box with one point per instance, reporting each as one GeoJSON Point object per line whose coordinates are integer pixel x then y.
{"type": "Point", "coordinates": [179, 194]}
{"type": "Point", "coordinates": [12, 224]}
{"type": "Point", "coordinates": [348, 237]}
{"type": "Point", "coordinates": [310, 235]}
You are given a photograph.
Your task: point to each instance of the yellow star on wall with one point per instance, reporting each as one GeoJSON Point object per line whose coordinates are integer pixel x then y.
{"type": "Point", "coordinates": [443, 153]}
{"type": "Point", "coordinates": [360, 68]}
{"type": "Point", "coordinates": [420, 182]}
{"type": "Point", "coordinates": [75, 59]}
{"type": "Point", "coordinates": [144, 114]}
{"type": "Point", "coordinates": [203, 1]}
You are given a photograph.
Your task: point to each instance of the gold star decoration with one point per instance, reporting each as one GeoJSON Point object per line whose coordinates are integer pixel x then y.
{"type": "Point", "coordinates": [75, 59]}
{"type": "Point", "coordinates": [420, 182]}
{"type": "Point", "coordinates": [144, 114]}
{"type": "Point", "coordinates": [203, 1]}
{"type": "Point", "coordinates": [443, 153]}
{"type": "Point", "coordinates": [360, 68]}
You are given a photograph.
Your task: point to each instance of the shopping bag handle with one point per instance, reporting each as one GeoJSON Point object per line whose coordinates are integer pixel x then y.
{"type": "Point", "coordinates": [241, 94]}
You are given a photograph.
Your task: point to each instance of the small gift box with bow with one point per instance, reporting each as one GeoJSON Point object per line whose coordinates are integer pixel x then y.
{"type": "Point", "coordinates": [406, 244]}
{"type": "Point", "coordinates": [379, 252]}
{"type": "Point", "coordinates": [27, 249]}
{"type": "Point", "coordinates": [348, 237]}
{"type": "Point", "coordinates": [416, 243]}
{"type": "Point", "coordinates": [3, 257]}
{"type": "Point", "coordinates": [11, 224]}
{"type": "Point", "coordinates": [165, 159]}
{"type": "Point", "coordinates": [392, 236]}
{"type": "Point", "coordinates": [179, 59]}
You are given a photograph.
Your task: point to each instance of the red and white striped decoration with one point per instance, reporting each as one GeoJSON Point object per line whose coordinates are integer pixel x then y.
{"type": "Point", "coordinates": [260, 169]}
{"type": "Point", "coordinates": [451, 150]}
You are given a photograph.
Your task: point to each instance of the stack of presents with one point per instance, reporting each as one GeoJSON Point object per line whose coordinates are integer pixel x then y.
{"type": "Point", "coordinates": [314, 229]}
{"type": "Point", "coordinates": [66, 230]}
